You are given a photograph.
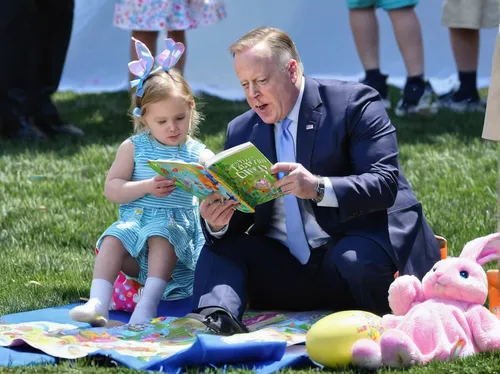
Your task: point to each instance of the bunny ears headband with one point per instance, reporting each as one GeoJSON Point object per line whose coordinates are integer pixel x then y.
{"type": "Point", "coordinates": [143, 67]}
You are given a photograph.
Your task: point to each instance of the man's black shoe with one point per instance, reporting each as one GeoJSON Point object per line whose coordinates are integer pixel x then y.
{"type": "Point", "coordinates": [219, 321]}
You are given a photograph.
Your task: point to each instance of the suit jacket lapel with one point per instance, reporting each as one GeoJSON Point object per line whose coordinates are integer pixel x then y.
{"type": "Point", "coordinates": [309, 119]}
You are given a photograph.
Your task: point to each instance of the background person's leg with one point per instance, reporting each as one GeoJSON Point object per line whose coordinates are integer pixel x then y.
{"type": "Point", "coordinates": [17, 68]}
{"type": "Point", "coordinates": [408, 35]}
{"type": "Point", "coordinates": [418, 96]}
{"type": "Point", "coordinates": [464, 20]}
{"type": "Point", "coordinates": [365, 31]}
{"type": "Point", "coordinates": [364, 28]}
{"type": "Point", "coordinates": [465, 46]}
{"type": "Point", "coordinates": [54, 24]}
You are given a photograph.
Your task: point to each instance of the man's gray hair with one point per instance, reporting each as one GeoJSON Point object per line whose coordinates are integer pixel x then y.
{"type": "Point", "coordinates": [279, 42]}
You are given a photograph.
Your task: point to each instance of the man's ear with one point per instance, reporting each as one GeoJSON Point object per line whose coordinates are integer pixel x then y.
{"type": "Point", "coordinates": [293, 70]}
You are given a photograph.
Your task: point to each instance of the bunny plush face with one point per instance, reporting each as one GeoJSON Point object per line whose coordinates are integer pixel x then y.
{"type": "Point", "coordinates": [463, 278]}
{"type": "Point", "coordinates": [456, 279]}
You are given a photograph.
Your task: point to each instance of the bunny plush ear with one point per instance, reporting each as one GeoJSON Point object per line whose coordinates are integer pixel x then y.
{"type": "Point", "coordinates": [141, 68]}
{"type": "Point", "coordinates": [171, 55]}
{"type": "Point", "coordinates": [483, 249]}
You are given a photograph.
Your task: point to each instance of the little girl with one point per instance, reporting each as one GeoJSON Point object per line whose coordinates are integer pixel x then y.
{"type": "Point", "coordinates": [158, 236]}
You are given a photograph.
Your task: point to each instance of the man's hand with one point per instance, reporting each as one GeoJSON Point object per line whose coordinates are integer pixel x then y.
{"type": "Point", "coordinates": [217, 211]}
{"type": "Point", "coordinates": [298, 181]}
{"type": "Point", "coordinates": [160, 186]}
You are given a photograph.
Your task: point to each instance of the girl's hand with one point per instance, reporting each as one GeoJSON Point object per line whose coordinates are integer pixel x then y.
{"type": "Point", "coordinates": [160, 186]}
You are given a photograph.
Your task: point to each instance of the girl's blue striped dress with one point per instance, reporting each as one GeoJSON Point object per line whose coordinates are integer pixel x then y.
{"type": "Point", "coordinates": [174, 217]}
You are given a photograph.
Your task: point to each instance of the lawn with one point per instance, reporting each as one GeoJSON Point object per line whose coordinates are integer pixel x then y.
{"type": "Point", "coordinates": [52, 206]}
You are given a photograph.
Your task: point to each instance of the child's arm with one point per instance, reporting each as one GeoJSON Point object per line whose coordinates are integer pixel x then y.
{"type": "Point", "coordinates": [118, 187]}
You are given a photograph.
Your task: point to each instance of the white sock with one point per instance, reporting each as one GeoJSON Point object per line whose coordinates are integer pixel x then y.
{"type": "Point", "coordinates": [146, 308]}
{"type": "Point", "coordinates": [96, 310]}
{"type": "Point", "coordinates": [102, 291]}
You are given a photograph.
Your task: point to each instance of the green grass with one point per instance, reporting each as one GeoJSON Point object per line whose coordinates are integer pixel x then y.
{"type": "Point", "coordinates": [52, 207]}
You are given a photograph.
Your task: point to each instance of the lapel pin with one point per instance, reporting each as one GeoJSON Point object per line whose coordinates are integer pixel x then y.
{"type": "Point", "coordinates": [310, 126]}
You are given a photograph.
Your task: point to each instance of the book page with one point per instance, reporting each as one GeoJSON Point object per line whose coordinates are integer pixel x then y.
{"type": "Point", "coordinates": [191, 177]}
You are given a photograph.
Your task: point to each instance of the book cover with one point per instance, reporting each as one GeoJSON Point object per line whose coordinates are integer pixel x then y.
{"type": "Point", "coordinates": [246, 170]}
{"type": "Point", "coordinates": [240, 173]}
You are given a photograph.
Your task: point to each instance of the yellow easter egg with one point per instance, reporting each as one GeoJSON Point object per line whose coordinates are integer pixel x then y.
{"type": "Point", "coordinates": [329, 340]}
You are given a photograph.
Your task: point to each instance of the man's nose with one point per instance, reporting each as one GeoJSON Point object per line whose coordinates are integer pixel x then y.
{"type": "Point", "coordinates": [254, 91]}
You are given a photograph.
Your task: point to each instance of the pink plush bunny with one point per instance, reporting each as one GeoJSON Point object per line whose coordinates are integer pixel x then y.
{"type": "Point", "coordinates": [441, 318]}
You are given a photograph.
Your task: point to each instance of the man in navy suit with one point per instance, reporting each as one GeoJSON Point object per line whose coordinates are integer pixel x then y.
{"type": "Point", "coordinates": [349, 219]}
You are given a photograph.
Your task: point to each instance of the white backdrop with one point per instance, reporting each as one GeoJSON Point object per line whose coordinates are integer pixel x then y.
{"type": "Point", "coordinates": [98, 53]}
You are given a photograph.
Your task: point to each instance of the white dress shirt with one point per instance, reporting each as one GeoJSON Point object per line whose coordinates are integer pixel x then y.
{"type": "Point", "coordinates": [315, 235]}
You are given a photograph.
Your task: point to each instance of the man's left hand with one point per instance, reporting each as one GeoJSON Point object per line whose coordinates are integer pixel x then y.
{"type": "Point", "coordinates": [298, 180]}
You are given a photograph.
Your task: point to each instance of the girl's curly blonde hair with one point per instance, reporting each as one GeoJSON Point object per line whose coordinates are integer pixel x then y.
{"type": "Point", "coordinates": [160, 86]}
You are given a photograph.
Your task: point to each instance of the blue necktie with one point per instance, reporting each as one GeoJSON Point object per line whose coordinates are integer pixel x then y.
{"type": "Point", "coordinates": [296, 237]}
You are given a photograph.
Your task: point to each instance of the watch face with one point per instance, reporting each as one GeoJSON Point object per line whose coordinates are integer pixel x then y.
{"type": "Point", "coordinates": [320, 190]}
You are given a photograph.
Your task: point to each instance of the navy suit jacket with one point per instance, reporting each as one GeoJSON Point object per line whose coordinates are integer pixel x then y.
{"type": "Point", "coordinates": [344, 133]}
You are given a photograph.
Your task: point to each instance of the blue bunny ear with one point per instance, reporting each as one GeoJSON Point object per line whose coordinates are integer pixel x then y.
{"type": "Point", "coordinates": [171, 55]}
{"type": "Point", "coordinates": [142, 67]}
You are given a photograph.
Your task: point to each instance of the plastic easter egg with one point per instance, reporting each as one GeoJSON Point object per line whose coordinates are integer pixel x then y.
{"type": "Point", "coordinates": [329, 340]}
{"type": "Point", "coordinates": [126, 293]}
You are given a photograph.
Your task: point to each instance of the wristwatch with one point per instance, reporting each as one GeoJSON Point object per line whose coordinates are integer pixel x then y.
{"type": "Point", "coordinates": [320, 189]}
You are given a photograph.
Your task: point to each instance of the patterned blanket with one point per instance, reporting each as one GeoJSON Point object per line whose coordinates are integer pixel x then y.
{"type": "Point", "coordinates": [160, 343]}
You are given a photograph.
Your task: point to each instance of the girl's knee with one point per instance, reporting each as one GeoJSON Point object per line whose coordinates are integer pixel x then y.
{"type": "Point", "coordinates": [112, 243]}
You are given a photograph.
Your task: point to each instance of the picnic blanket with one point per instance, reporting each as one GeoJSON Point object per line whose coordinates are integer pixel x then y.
{"type": "Point", "coordinates": [276, 340]}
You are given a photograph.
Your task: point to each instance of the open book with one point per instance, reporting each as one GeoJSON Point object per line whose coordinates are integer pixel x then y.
{"type": "Point", "coordinates": [240, 173]}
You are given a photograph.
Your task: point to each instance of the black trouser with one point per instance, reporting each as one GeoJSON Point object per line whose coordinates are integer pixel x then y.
{"type": "Point", "coordinates": [34, 39]}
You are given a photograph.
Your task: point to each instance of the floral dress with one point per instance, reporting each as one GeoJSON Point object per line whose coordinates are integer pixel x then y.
{"type": "Point", "coordinates": [169, 15]}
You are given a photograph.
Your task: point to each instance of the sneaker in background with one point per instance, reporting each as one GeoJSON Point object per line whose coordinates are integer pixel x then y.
{"type": "Point", "coordinates": [460, 103]}
{"type": "Point", "coordinates": [417, 99]}
{"type": "Point", "coordinates": [381, 86]}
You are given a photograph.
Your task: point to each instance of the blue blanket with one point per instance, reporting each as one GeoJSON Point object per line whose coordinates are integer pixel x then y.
{"type": "Point", "coordinates": [263, 353]}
